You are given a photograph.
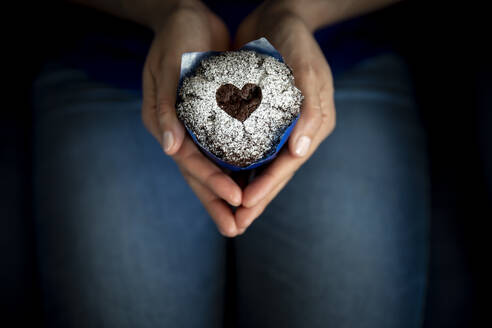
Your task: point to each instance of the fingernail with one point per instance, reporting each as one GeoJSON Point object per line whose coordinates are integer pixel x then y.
{"type": "Point", "coordinates": [302, 146]}
{"type": "Point", "coordinates": [168, 141]}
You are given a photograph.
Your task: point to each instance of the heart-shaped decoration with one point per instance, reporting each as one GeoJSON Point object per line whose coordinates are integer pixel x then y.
{"type": "Point", "coordinates": [238, 103]}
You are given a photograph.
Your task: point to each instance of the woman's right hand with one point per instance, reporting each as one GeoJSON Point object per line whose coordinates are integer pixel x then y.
{"type": "Point", "coordinates": [189, 26]}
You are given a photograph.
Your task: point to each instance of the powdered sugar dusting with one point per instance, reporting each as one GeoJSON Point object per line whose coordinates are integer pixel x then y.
{"type": "Point", "coordinates": [239, 143]}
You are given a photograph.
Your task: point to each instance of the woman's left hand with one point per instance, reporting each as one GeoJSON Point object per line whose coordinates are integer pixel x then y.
{"type": "Point", "coordinates": [293, 38]}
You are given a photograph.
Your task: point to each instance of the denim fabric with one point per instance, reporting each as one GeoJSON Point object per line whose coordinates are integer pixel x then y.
{"type": "Point", "coordinates": [124, 242]}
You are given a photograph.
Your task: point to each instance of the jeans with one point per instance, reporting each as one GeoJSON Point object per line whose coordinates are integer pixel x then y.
{"type": "Point", "coordinates": [122, 240]}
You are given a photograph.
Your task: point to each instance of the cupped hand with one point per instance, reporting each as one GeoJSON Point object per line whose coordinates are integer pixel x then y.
{"type": "Point", "coordinates": [184, 29]}
{"type": "Point", "coordinates": [292, 37]}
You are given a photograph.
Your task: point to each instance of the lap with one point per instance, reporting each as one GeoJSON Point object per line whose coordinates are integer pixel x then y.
{"type": "Point", "coordinates": [122, 240]}
{"type": "Point", "coordinates": [344, 244]}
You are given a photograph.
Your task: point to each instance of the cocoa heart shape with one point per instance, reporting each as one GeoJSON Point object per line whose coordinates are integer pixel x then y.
{"type": "Point", "coordinates": [239, 103]}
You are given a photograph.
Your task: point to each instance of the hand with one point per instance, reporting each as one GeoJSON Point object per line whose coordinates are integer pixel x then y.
{"type": "Point", "coordinates": [186, 28]}
{"type": "Point", "coordinates": [292, 37]}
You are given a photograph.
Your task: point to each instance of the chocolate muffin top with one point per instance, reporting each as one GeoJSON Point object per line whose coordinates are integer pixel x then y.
{"type": "Point", "coordinates": [238, 104]}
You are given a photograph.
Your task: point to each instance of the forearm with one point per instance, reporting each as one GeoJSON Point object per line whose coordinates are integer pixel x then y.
{"type": "Point", "coordinates": [149, 13]}
{"type": "Point", "coordinates": [318, 13]}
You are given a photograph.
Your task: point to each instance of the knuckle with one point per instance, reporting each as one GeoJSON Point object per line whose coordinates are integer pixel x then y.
{"type": "Point", "coordinates": [305, 67]}
{"type": "Point", "coordinates": [311, 106]}
{"type": "Point", "coordinates": [326, 117]}
{"type": "Point", "coordinates": [315, 112]}
{"type": "Point", "coordinates": [155, 65]}
{"type": "Point", "coordinates": [227, 232]}
{"type": "Point", "coordinates": [211, 178]}
{"type": "Point", "coordinates": [327, 104]}
{"type": "Point", "coordinates": [184, 161]}
{"type": "Point", "coordinates": [313, 119]}
{"type": "Point", "coordinates": [164, 108]}
{"type": "Point", "coordinates": [329, 127]}
{"type": "Point", "coordinates": [325, 113]}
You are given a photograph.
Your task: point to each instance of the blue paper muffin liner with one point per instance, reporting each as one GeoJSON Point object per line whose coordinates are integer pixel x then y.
{"type": "Point", "coordinates": [191, 60]}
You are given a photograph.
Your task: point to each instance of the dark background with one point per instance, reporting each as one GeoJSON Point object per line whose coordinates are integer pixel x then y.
{"type": "Point", "coordinates": [446, 48]}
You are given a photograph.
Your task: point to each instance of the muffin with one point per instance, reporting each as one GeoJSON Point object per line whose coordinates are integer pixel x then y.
{"type": "Point", "coordinates": [238, 104]}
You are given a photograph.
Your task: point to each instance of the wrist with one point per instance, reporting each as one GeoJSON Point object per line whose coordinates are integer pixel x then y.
{"type": "Point", "coordinates": [311, 12]}
{"type": "Point", "coordinates": [319, 13]}
{"type": "Point", "coordinates": [153, 13]}
{"type": "Point", "coordinates": [278, 22]}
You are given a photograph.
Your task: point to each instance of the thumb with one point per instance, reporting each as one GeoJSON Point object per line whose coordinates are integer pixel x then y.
{"type": "Point", "coordinates": [172, 130]}
{"type": "Point", "coordinates": [310, 120]}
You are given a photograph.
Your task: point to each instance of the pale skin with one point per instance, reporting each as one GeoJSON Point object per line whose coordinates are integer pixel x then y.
{"type": "Point", "coordinates": [188, 25]}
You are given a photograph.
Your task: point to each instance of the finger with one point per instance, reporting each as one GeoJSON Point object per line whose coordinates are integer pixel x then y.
{"type": "Point", "coordinates": [245, 216]}
{"type": "Point", "coordinates": [193, 163]}
{"type": "Point", "coordinates": [310, 120]}
{"type": "Point", "coordinates": [220, 213]}
{"type": "Point", "coordinates": [283, 166]}
{"type": "Point", "coordinates": [279, 169]}
{"type": "Point", "coordinates": [172, 130]}
{"type": "Point", "coordinates": [327, 102]}
{"type": "Point", "coordinates": [149, 105]}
